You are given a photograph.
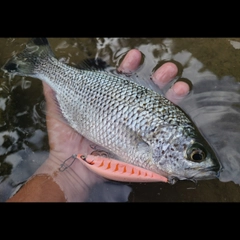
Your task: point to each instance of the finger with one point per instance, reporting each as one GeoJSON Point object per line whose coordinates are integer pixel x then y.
{"type": "Point", "coordinates": [177, 92]}
{"type": "Point", "coordinates": [130, 62]}
{"type": "Point", "coordinates": [164, 74]}
{"type": "Point", "coordinates": [50, 100]}
{"type": "Point", "coordinates": [48, 93]}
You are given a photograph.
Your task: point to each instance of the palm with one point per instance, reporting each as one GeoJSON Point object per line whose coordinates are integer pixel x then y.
{"type": "Point", "coordinates": [63, 140]}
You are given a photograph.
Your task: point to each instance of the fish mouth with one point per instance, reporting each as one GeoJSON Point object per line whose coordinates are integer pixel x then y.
{"type": "Point", "coordinates": [208, 173]}
{"type": "Point", "coordinates": [201, 174]}
{"type": "Point", "coordinates": [216, 169]}
{"type": "Point", "coordinates": [213, 169]}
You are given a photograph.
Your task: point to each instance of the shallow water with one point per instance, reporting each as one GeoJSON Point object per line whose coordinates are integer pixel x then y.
{"type": "Point", "coordinates": [212, 66]}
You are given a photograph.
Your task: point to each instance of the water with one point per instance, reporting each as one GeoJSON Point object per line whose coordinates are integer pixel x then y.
{"type": "Point", "coordinates": [212, 66]}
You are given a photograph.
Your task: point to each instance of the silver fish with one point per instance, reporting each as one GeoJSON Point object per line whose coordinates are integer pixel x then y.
{"type": "Point", "coordinates": [134, 123]}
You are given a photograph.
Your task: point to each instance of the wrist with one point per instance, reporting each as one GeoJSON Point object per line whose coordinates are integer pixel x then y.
{"type": "Point", "coordinates": [39, 188]}
{"type": "Point", "coordinates": [75, 181]}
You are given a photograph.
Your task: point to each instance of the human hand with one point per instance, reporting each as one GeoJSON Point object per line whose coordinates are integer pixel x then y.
{"type": "Point", "coordinates": [64, 141]}
{"type": "Point", "coordinates": [161, 77]}
{"type": "Point", "coordinates": [77, 179]}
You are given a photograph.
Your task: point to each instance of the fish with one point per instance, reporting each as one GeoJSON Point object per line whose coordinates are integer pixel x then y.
{"type": "Point", "coordinates": [133, 122]}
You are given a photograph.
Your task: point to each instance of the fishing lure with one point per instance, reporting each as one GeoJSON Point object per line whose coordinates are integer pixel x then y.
{"type": "Point", "coordinates": [119, 171]}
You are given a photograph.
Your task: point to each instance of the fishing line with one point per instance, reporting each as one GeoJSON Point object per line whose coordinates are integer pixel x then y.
{"type": "Point", "coordinates": [64, 166]}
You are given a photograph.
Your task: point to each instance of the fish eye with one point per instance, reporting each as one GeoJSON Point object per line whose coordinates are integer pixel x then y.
{"type": "Point", "coordinates": [196, 153]}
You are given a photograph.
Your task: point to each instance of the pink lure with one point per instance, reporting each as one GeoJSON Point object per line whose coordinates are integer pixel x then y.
{"type": "Point", "coordinates": [119, 171]}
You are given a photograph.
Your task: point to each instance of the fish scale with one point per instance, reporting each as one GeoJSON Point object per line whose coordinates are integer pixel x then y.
{"type": "Point", "coordinates": [134, 123]}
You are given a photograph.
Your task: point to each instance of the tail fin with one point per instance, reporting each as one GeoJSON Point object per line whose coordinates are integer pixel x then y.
{"type": "Point", "coordinates": [26, 62]}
